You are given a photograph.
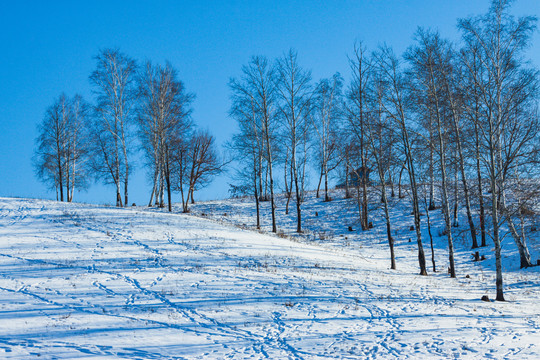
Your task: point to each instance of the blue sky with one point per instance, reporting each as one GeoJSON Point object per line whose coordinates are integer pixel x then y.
{"type": "Point", "coordinates": [47, 48]}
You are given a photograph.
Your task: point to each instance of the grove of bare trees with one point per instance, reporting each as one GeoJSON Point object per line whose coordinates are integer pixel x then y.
{"type": "Point", "coordinates": [455, 125]}
{"type": "Point", "coordinates": [61, 156]}
{"type": "Point", "coordinates": [137, 109]}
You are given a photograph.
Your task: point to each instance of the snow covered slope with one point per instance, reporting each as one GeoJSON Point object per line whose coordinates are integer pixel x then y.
{"type": "Point", "coordinates": [80, 281]}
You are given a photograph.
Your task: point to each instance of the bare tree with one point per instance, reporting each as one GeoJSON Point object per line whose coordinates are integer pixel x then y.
{"type": "Point", "coordinates": [472, 113]}
{"type": "Point", "coordinates": [258, 88]}
{"type": "Point", "coordinates": [49, 158]}
{"type": "Point", "coordinates": [204, 163]}
{"type": "Point", "coordinates": [294, 94]}
{"type": "Point", "coordinates": [248, 142]}
{"type": "Point", "coordinates": [453, 92]}
{"type": "Point", "coordinates": [62, 147]}
{"type": "Point", "coordinates": [505, 88]}
{"type": "Point", "coordinates": [356, 109]}
{"type": "Point", "coordinates": [426, 83]}
{"type": "Point", "coordinates": [379, 135]}
{"type": "Point", "coordinates": [394, 105]}
{"type": "Point", "coordinates": [326, 119]}
{"type": "Point", "coordinates": [163, 117]}
{"type": "Point", "coordinates": [524, 193]}
{"type": "Point", "coordinates": [114, 86]}
{"type": "Point", "coordinates": [77, 146]}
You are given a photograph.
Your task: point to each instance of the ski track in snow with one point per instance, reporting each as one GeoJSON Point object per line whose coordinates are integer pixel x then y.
{"type": "Point", "coordinates": [87, 281]}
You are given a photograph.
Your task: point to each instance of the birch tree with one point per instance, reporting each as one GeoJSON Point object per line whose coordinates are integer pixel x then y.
{"type": "Point", "coordinates": [113, 81]}
{"type": "Point", "coordinates": [77, 146]}
{"type": "Point", "coordinates": [294, 104]}
{"type": "Point", "coordinates": [204, 163]}
{"type": "Point", "coordinates": [505, 87]}
{"type": "Point", "coordinates": [326, 119]}
{"type": "Point", "coordinates": [379, 135]}
{"type": "Point", "coordinates": [257, 86]}
{"type": "Point", "coordinates": [394, 105]}
{"type": "Point", "coordinates": [163, 116]}
{"type": "Point", "coordinates": [248, 143]}
{"type": "Point", "coordinates": [62, 147]}
{"type": "Point", "coordinates": [472, 115]}
{"type": "Point", "coordinates": [356, 114]}
{"type": "Point", "coordinates": [425, 75]}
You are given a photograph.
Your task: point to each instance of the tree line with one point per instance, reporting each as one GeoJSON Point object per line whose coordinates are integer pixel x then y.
{"type": "Point", "coordinates": [451, 125]}
{"type": "Point", "coordinates": [136, 108]}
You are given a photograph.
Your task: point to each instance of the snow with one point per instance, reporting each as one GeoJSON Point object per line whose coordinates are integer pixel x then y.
{"type": "Point", "coordinates": [83, 281]}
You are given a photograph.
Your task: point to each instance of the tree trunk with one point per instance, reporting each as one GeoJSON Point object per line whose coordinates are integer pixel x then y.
{"type": "Point", "coordinates": [347, 190]}
{"type": "Point", "coordinates": [72, 182]}
{"type": "Point", "coordinates": [319, 184]}
{"type": "Point", "coordinates": [168, 179]}
{"type": "Point", "coordinates": [326, 197]}
{"type": "Point", "coordinates": [118, 196]}
{"type": "Point", "coordinates": [387, 216]}
{"type": "Point", "coordinates": [269, 155]}
{"type": "Point", "coordinates": [184, 201]}
{"type": "Point", "coordinates": [288, 189]}
{"type": "Point", "coordinates": [256, 195]}
{"type": "Point", "coordinates": [480, 191]}
{"type": "Point", "coordinates": [365, 220]}
{"type": "Point", "coordinates": [400, 195]}
{"type": "Point", "coordinates": [495, 216]}
{"type": "Point", "coordinates": [153, 188]}
{"type": "Point", "coordinates": [259, 173]}
{"type": "Point", "coordinates": [68, 181]}
{"type": "Point", "coordinates": [456, 199]}
{"type": "Point", "coordinates": [391, 179]}
{"type": "Point", "coordinates": [497, 242]}
{"type": "Point", "coordinates": [61, 189]}
{"type": "Point", "coordinates": [298, 203]}
{"type": "Point", "coordinates": [161, 188]}
{"type": "Point", "coordinates": [126, 189]}
{"type": "Point", "coordinates": [524, 255]}
{"type": "Point", "coordinates": [444, 189]}
{"type": "Point", "coordinates": [465, 187]}
{"type": "Point", "coordinates": [431, 241]}
{"type": "Point", "coordinates": [416, 208]}
{"type": "Point", "coordinates": [60, 177]}
{"type": "Point", "coordinates": [431, 165]}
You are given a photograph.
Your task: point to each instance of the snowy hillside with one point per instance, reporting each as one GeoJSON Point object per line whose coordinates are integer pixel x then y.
{"type": "Point", "coordinates": [80, 281]}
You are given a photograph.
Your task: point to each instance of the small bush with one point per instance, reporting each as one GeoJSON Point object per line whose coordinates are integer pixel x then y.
{"type": "Point", "coordinates": [323, 235]}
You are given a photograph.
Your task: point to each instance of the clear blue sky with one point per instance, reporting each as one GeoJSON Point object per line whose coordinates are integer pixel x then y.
{"type": "Point", "coordinates": [47, 48]}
